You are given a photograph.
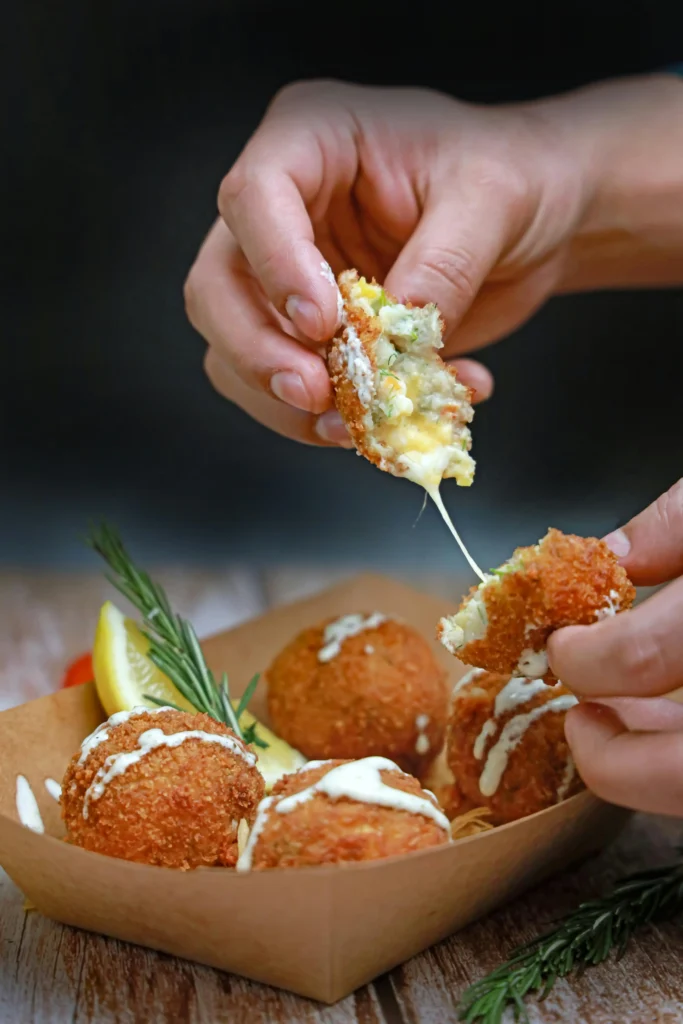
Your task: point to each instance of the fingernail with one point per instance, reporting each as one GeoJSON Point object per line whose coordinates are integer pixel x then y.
{"type": "Point", "coordinates": [290, 388]}
{"type": "Point", "coordinates": [330, 427]}
{"type": "Point", "coordinates": [305, 315]}
{"type": "Point", "coordinates": [618, 543]}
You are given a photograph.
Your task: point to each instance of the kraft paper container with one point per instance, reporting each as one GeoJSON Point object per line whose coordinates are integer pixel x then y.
{"type": "Point", "coordinates": [319, 932]}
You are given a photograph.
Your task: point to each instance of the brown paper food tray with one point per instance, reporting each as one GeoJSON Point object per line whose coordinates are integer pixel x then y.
{"type": "Point", "coordinates": [319, 932]}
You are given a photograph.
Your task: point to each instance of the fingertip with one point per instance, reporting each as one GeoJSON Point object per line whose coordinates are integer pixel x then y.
{"type": "Point", "coordinates": [561, 643]}
{"type": "Point", "coordinates": [475, 376]}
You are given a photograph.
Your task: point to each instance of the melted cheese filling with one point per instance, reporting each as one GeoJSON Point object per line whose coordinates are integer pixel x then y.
{"type": "Point", "coordinates": [412, 410]}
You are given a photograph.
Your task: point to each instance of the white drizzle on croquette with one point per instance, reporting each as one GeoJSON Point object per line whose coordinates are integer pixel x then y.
{"type": "Point", "coordinates": [337, 632]}
{"type": "Point", "coordinates": [422, 743]}
{"type": "Point", "coordinates": [54, 789]}
{"type": "Point", "coordinates": [567, 778]}
{"type": "Point", "coordinates": [511, 736]}
{"type": "Point", "coordinates": [116, 764]}
{"type": "Point", "coordinates": [360, 781]}
{"type": "Point", "coordinates": [533, 663]}
{"type": "Point", "coordinates": [516, 691]}
{"type": "Point", "coordinates": [28, 811]}
{"type": "Point", "coordinates": [101, 733]}
{"type": "Point", "coordinates": [611, 608]}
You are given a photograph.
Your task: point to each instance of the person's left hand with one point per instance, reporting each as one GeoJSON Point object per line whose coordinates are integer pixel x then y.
{"type": "Point", "coordinates": [625, 736]}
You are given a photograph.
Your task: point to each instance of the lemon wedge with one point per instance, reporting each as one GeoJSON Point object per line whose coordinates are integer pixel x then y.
{"type": "Point", "coordinates": [278, 758]}
{"type": "Point", "coordinates": [124, 674]}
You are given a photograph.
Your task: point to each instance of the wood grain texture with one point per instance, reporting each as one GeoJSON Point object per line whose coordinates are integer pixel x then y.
{"type": "Point", "coordinates": [51, 974]}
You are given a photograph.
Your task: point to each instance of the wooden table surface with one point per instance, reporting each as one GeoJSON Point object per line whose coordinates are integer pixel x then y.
{"type": "Point", "coordinates": [52, 973]}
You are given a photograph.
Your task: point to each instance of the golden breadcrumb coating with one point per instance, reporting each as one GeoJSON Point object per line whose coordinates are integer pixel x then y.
{"type": "Point", "coordinates": [404, 407]}
{"type": "Point", "coordinates": [503, 625]}
{"type": "Point", "coordinates": [381, 692]}
{"type": "Point", "coordinates": [326, 831]}
{"type": "Point", "coordinates": [177, 807]}
{"type": "Point", "coordinates": [506, 737]}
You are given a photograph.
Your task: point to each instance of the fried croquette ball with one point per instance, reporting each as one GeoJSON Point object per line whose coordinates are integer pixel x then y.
{"type": "Point", "coordinates": [506, 747]}
{"type": "Point", "coordinates": [503, 624]}
{"type": "Point", "coordinates": [334, 811]}
{"type": "Point", "coordinates": [404, 407]}
{"type": "Point", "coordinates": [360, 685]}
{"type": "Point", "coordinates": [161, 787]}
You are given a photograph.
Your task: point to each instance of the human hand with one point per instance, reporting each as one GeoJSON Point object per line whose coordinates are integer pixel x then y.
{"type": "Point", "coordinates": [485, 211]}
{"type": "Point", "coordinates": [625, 736]}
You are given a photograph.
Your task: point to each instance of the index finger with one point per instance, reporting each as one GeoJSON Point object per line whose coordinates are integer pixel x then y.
{"type": "Point", "coordinates": [265, 202]}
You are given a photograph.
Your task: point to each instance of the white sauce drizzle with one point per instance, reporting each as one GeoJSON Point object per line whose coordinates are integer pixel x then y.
{"type": "Point", "coordinates": [434, 494]}
{"type": "Point", "coordinates": [54, 789]}
{"type": "Point", "coordinates": [27, 806]}
{"type": "Point", "coordinates": [611, 608]}
{"type": "Point", "coordinates": [152, 739]}
{"type": "Point", "coordinates": [356, 780]}
{"type": "Point", "coordinates": [532, 663]}
{"type": "Point", "coordinates": [489, 728]}
{"type": "Point", "coordinates": [422, 743]}
{"type": "Point", "coordinates": [474, 673]}
{"type": "Point", "coordinates": [511, 736]}
{"type": "Point", "coordinates": [567, 778]}
{"type": "Point", "coordinates": [369, 649]}
{"type": "Point", "coordinates": [101, 733]}
{"type": "Point", "coordinates": [347, 626]}
{"type": "Point", "coordinates": [515, 692]}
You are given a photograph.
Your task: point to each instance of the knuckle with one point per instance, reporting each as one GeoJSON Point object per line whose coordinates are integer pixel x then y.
{"type": "Point", "coordinates": [304, 92]}
{"type": "Point", "coordinates": [642, 662]}
{"type": "Point", "coordinates": [191, 298]}
{"type": "Point", "coordinates": [232, 188]}
{"type": "Point", "coordinates": [454, 267]}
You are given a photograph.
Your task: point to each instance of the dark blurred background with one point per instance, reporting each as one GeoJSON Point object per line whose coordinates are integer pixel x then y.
{"type": "Point", "coordinates": [120, 121]}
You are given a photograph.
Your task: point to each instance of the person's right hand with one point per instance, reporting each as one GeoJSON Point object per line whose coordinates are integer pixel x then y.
{"type": "Point", "coordinates": [485, 211]}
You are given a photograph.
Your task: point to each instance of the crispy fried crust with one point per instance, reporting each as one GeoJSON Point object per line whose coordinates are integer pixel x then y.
{"type": "Point", "coordinates": [178, 807]}
{"type": "Point", "coordinates": [536, 768]}
{"type": "Point", "coordinates": [363, 702]}
{"type": "Point", "coordinates": [569, 581]}
{"type": "Point", "coordinates": [324, 831]}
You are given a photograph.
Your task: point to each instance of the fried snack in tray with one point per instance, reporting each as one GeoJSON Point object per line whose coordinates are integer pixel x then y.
{"type": "Point", "coordinates": [503, 624]}
{"type": "Point", "coordinates": [360, 685]}
{"type": "Point", "coordinates": [404, 407]}
{"type": "Point", "coordinates": [332, 812]}
{"type": "Point", "coordinates": [506, 748]}
{"type": "Point", "coordinates": [162, 787]}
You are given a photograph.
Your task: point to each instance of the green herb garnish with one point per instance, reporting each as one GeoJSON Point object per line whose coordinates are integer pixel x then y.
{"type": "Point", "coordinates": [388, 373]}
{"type": "Point", "coordinates": [583, 939]}
{"type": "Point", "coordinates": [173, 644]}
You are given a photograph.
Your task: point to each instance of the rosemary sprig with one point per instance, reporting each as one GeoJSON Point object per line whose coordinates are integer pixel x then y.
{"type": "Point", "coordinates": [173, 644]}
{"type": "Point", "coordinates": [583, 939]}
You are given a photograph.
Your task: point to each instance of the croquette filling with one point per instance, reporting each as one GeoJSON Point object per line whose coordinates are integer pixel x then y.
{"type": "Point", "coordinates": [419, 412]}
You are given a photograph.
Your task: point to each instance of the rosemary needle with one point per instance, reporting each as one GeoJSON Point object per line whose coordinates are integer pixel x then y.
{"type": "Point", "coordinates": [582, 939]}
{"type": "Point", "coordinates": [173, 644]}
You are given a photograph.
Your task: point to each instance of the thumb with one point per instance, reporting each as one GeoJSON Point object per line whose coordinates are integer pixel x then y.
{"type": "Point", "coordinates": [650, 546]}
{"type": "Point", "coordinates": [456, 244]}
